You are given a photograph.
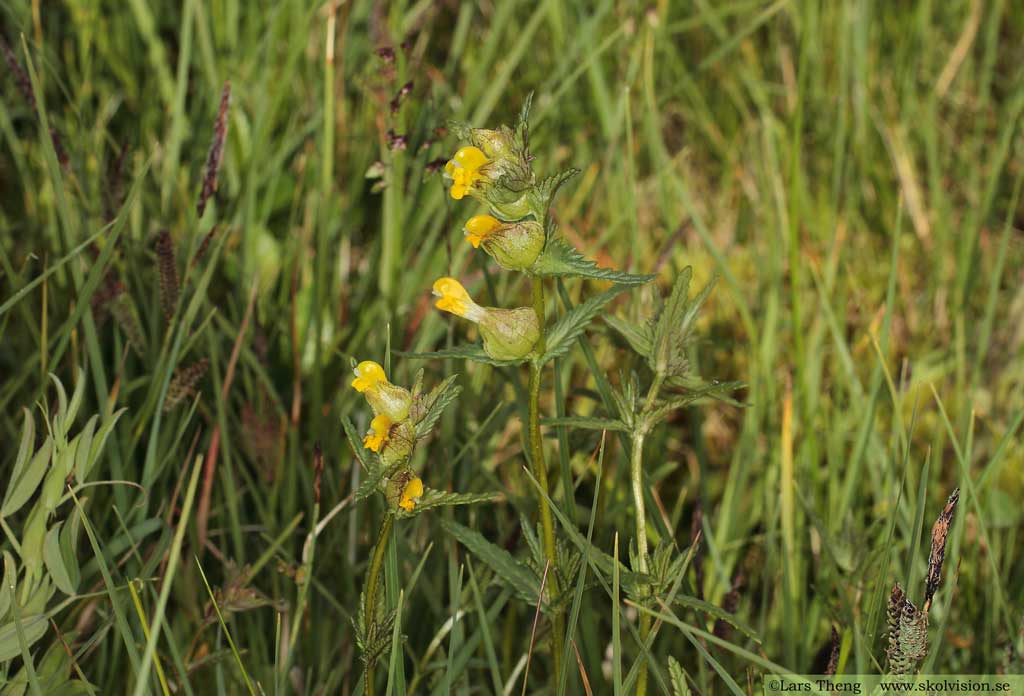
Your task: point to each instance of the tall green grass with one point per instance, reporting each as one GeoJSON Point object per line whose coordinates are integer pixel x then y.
{"type": "Point", "coordinates": [850, 170]}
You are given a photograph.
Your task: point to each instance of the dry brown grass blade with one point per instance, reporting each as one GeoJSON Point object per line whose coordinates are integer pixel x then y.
{"type": "Point", "coordinates": [203, 510]}
{"type": "Point", "coordinates": [536, 620]}
{"type": "Point", "coordinates": [583, 671]}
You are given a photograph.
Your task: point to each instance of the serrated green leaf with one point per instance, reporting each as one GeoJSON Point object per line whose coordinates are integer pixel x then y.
{"type": "Point", "coordinates": [370, 484]}
{"type": "Point", "coordinates": [519, 578]}
{"type": "Point", "coordinates": [560, 258]}
{"type": "Point", "coordinates": [638, 337]}
{"type": "Point", "coordinates": [717, 613]}
{"type": "Point", "coordinates": [677, 678]}
{"type": "Point", "coordinates": [434, 404]}
{"type": "Point", "coordinates": [467, 352]}
{"type": "Point", "coordinates": [601, 560]}
{"type": "Point", "coordinates": [432, 498]}
{"type": "Point", "coordinates": [54, 560]}
{"type": "Point", "coordinates": [574, 322]}
{"type": "Point", "coordinates": [672, 328]}
{"type": "Point", "coordinates": [356, 443]}
{"type": "Point", "coordinates": [586, 423]}
{"type": "Point", "coordinates": [22, 489]}
{"type": "Point", "coordinates": [712, 390]}
{"type": "Point", "coordinates": [34, 627]}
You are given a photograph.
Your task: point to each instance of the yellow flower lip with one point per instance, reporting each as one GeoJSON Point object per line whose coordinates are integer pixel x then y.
{"type": "Point", "coordinates": [368, 374]}
{"type": "Point", "coordinates": [455, 299]}
{"type": "Point", "coordinates": [380, 431]}
{"type": "Point", "coordinates": [411, 494]}
{"type": "Point", "coordinates": [464, 170]}
{"type": "Point", "coordinates": [479, 227]}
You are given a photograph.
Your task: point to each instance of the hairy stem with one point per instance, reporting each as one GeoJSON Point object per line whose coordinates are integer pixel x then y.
{"type": "Point", "coordinates": [540, 471]}
{"type": "Point", "coordinates": [370, 591]}
{"type": "Point", "coordinates": [637, 477]}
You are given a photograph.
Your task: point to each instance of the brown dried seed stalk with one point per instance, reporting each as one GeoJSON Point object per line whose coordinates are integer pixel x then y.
{"type": "Point", "coordinates": [216, 154]}
{"type": "Point", "coordinates": [20, 76]}
{"type": "Point", "coordinates": [318, 471]}
{"type": "Point", "coordinates": [833, 656]}
{"type": "Point", "coordinates": [938, 553]}
{"type": "Point", "coordinates": [183, 384]}
{"type": "Point", "coordinates": [122, 309]}
{"type": "Point", "coordinates": [168, 267]}
{"type": "Point", "coordinates": [24, 85]}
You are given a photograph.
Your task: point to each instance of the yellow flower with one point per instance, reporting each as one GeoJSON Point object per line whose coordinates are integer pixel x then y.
{"type": "Point", "coordinates": [508, 334]}
{"type": "Point", "coordinates": [479, 227]}
{"type": "Point", "coordinates": [465, 170]}
{"type": "Point", "coordinates": [384, 398]}
{"type": "Point", "coordinates": [514, 245]}
{"type": "Point", "coordinates": [411, 494]}
{"type": "Point", "coordinates": [456, 300]}
{"type": "Point", "coordinates": [380, 430]}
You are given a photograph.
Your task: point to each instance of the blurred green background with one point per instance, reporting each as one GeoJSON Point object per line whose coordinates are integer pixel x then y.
{"type": "Point", "coordinates": [850, 171]}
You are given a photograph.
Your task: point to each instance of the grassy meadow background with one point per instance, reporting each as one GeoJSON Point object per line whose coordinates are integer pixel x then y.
{"type": "Point", "coordinates": [850, 171]}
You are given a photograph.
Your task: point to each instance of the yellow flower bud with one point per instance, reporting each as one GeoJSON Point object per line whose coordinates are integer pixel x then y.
{"type": "Point", "coordinates": [515, 245]}
{"type": "Point", "coordinates": [384, 398]}
{"type": "Point", "coordinates": [411, 494]}
{"type": "Point", "coordinates": [465, 169]}
{"type": "Point", "coordinates": [380, 430]}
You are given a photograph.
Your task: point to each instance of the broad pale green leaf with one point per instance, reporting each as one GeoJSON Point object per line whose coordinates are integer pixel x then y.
{"type": "Point", "coordinates": [84, 449]}
{"type": "Point", "coordinates": [54, 560]}
{"type": "Point", "coordinates": [34, 627]}
{"type": "Point", "coordinates": [98, 441]}
{"type": "Point", "coordinates": [560, 258]}
{"type": "Point", "coordinates": [22, 489]}
{"type": "Point", "coordinates": [514, 574]}
{"type": "Point", "coordinates": [10, 575]}
{"type": "Point", "coordinates": [28, 439]}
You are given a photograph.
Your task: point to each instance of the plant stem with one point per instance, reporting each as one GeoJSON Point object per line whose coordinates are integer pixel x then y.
{"type": "Point", "coordinates": [370, 591]}
{"type": "Point", "coordinates": [637, 477]}
{"type": "Point", "coordinates": [636, 474]}
{"type": "Point", "coordinates": [540, 471]}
